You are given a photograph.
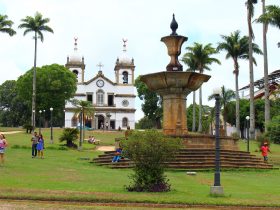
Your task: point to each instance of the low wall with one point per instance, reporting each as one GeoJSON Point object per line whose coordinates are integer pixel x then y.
{"type": "Point", "coordinates": [208, 142]}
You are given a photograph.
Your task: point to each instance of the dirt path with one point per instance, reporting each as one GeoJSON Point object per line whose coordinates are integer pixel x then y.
{"type": "Point", "coordinates": [11, 132]}
{"type": "Point", "coordinates": [61, 205]}
{"type": "Point", "coordinates": [105, 148]}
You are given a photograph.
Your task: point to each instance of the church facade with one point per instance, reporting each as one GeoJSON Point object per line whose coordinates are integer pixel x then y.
{"type": "Point", "coordinates": [113, 101]}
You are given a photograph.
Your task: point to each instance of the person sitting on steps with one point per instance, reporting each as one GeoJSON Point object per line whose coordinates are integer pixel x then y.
{"type": "Point", "coordinates": [117, 156]}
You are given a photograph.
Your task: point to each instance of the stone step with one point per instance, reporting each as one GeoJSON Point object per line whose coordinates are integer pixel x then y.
{"type": "Point", "coordinates": [198, 159]}
{"type": "Point", "coordinates": [192, 159]}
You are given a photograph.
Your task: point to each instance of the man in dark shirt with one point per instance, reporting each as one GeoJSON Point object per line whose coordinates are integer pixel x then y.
{"type": "Point", "coordinates": [34, 140]}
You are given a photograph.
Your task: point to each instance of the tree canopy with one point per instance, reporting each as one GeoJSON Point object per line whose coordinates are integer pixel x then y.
{"type": "Point", "coordinates": [152, 103]}
{"type": "Point", "coordinates": [55, 85]}
{"type": "Point", "coordinates": [6, 25]}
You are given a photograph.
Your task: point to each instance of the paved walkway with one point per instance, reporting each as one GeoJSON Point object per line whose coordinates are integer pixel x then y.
{"type": "Point", "coordinates": [105, 148]}
{"type": "Point", "coordinates": [11, 132]}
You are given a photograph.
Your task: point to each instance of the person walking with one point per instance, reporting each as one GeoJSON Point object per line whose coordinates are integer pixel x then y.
{"type": "Point", "coordinates": [34, 140]}
{"type": "Point", "coordinates": [265, 149]}
{"type": "Point", "coordinates": [40, 146]}
{"type": "Point", "coordinates": [3, 145]}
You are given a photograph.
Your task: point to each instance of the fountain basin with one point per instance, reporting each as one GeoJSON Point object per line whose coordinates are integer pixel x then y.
{"type": "Point", "coordinates": [174, 87]}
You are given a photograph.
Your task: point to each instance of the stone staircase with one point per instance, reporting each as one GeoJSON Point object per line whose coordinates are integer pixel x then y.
{"type": "Point", "coordinates": [196, 159]}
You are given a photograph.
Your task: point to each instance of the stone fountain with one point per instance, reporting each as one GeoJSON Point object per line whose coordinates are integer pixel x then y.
{"type": "Point", "coordinates": [173, 85]}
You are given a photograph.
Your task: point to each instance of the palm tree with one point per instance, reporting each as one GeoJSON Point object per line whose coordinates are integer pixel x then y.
{"type": "Point", "coordinates": [189, 61]}
{"type": "Point", "coordinates": [226, 96]}
{"type": "Point", "coordinates": [237, 47]}
{"type": "Point", "coordinates": [270, 16]}
{"type": "Point", "coordinates": [36, 24]}
{"type": "Point", "coordinates": [250, 14]}
{"type": "Point", "coordinates": [6, 25]}
{"type": "Point", "coordinates": [202, 58]}
{"type": "Point", "coordinates": [85, 109]}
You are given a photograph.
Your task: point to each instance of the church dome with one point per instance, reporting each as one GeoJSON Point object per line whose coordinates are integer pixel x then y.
{"type": "Point", "coordinates": [75, 56]}
{"type": "Point", "coordinates": [124, 58]}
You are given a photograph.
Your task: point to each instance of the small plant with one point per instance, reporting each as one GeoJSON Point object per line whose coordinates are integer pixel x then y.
{"type": "Point", "coordinates": [149, 151]}
{"type": "Point", "coordinates": [28, 128]}
{"type": "Point", "coordinates": [235, 135]}
{"type": "Point", "coordinates": [15, 146]}
{"type": "Point", "coordinates": [69, 135]}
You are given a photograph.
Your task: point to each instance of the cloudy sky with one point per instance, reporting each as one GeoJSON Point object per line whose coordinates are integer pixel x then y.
{"type": "Point", "coordinates": [101, 25]}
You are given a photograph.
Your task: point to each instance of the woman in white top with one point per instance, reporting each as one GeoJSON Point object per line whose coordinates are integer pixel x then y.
{"type": "Point", "coordinates": [3, 145]}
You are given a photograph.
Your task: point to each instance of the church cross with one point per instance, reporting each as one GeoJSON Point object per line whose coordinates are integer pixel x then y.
{"type": "Point", "coordinates": [100, 65]}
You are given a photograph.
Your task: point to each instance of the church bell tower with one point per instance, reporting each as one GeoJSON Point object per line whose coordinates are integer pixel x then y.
{"type": "Point", "coordinates": [75, 63]}
{"type": "Point", "coordinates": [124, 68]}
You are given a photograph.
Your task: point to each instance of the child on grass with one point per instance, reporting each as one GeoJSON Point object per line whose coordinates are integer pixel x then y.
{"type": "Point", "coordinates": [3, 145]}
{"type": "Point", "coordinates": [265, 149]}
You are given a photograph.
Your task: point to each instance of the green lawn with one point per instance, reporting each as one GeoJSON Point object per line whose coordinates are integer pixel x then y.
{"type": "Point", "coordinates": [64, 175]}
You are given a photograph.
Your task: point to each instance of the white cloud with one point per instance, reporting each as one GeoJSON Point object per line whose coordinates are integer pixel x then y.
{"type": "Point", "coordinates": [100, 26]}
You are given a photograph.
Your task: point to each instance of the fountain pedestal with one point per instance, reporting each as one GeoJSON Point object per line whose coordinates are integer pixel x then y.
{"type": "Point", "coordinates": [173, 87]}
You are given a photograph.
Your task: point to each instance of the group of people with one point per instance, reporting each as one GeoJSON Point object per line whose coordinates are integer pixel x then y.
{"type": "Point", "coordinates": [37, 145]}
{"type": "Point", "coordinates": [3, 145]}
{"type": "Point", "coordinates": [91, 139]}
{"type": "Point", "coordinates": [106, 127]}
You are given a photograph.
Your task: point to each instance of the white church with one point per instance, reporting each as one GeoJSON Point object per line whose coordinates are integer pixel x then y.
{"type": "Point", "coordinates": [113, 101]}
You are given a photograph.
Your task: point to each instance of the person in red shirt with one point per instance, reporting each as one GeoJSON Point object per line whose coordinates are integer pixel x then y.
{"type": "Point", "coordinates": [265, 149]}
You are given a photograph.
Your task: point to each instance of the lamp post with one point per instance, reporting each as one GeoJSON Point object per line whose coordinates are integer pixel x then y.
{"type": "Point", "coordinates": [217, 189]}
{"type": "Point", "coordinates": [40, 121]}
{"type": "Point", "coordinates": [247, 128]}
{"type": "Point", "coordinates": [81, 118]}
{"type": "Point", "coordinates": [51, 109]}
{"type": "Point", "coordinates": [44, 118]}
{"type": "Point", "coordinates": [64, 118]}
{"type": "Point", "coordinates": [33, 120]}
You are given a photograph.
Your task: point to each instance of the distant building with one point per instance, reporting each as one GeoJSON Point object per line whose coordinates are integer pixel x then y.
{"type": "Point", "coordinates": [273, 81]}
{"type": "Point", "coordinates": [113, 101]}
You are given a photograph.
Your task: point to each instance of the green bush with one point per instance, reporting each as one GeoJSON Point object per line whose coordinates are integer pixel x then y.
{"type": "Point", "coordinates": [69, 135]}
{"type": "Point", "coordinates": [235, 135]}
{"type": "Point", "coordinates": [273, 129]}
{"type": "Point", "coordinates": [28, 128]}
{"type": "Point", "coordinates": [149, 151]}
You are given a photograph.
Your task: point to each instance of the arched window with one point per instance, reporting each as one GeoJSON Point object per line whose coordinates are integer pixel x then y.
{"type": "Point", "coordinates": [125, 77]}
{"type": "Point", "coordinates": [75, 71]}
{"type": "Point", "coordinates": [100, 98]}
{"type": "Point", "coordinates": [124, 122]}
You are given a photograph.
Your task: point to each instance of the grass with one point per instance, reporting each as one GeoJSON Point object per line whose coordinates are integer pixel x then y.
{"type": "Point", "coordinates": [64, 175]}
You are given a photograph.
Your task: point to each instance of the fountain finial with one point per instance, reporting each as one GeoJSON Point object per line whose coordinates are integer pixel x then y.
{"type": "Point", "coordinates": [173, 26]}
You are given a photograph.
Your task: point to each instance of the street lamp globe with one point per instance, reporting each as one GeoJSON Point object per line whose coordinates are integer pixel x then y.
{"type": "Point", "coordinates": [51, 109]}
{"type": "Point", "coordinates": [247, 118]}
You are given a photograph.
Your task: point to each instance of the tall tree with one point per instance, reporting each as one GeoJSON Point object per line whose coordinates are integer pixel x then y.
{"type": "Point", "coordinates": [84, 109]}
{"type": "Point", "coordinates": [270, 16]}
{"type": "Point", "coordinates": [250, 14]}
{"type": "Point", "coordinates": [226, 96]}
{"type": "Point", "coordinates": [6, 25]}
{"type": "Point", "coordinates": [202, 58]}
{"type": "Point", "coordinates": [237, 47]}
{"type": "Point", "coordinates": [36, 24]}
{"type": "Point", "coordinates": [190, 62]}
{"type": "Point", "coordinates": [55, 84]}
{"type": "Point", "coordinates": [152, 106]}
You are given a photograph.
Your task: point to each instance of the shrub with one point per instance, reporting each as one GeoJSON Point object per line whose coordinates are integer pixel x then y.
{"type": "Point", "coordinates": [149, 151]}
{"type": "Point", "coordinates": [273, 129]}
{"type": "Point", "coordinates": [28, 128]}
{"type": "Point", "coordinates": [69, 135]}
{"type": "Point", "coordinates": [235, 135]}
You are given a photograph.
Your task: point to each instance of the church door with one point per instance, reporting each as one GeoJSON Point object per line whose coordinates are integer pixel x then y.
{"type": "Point", "coordinates": [100, 122]}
